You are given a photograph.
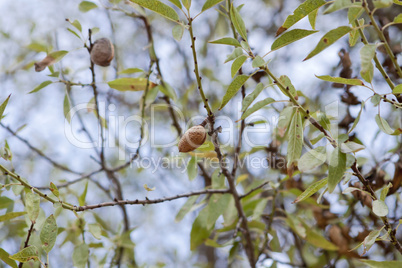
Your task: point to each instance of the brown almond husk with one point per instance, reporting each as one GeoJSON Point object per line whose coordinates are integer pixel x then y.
{"type": "Point", "coordinates": [193, 138]}
{"type": "Point", "coordinates": [102, 52]}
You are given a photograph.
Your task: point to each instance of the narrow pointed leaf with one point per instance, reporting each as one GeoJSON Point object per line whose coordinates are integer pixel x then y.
{"type": "Point", "coordinates": [186, 208]}
{"type": "Point", "coordinates": [4, 256]}
{"type": "Point", "coordinates": [336, 169]}
{"type": "Point", "coordinates": [159, 8]}
{"type": "Point", "coordinates": [130, 84]}
{"type": "Point", "coordinates": [328, 39]}
{"type": "Point", "coordinates": [341, 80]}
{"type": "Point", "coordinates": [233, 88]}
{"type": "Point", "coordinates": [210, 3]}
{"type": "Point", "coordinates": [312, 189]}
{"type": "Point", "coordinates": [42, 85]}
{"type": "Point", "coordinates": [351, 147]}
{"type": "Point", "coordinates": [3, 106]}
{"type": "Point", "coordinates": [396, 90]}
{"type": "Point", "coordinates": [384, 126]}
{"type": "Point", "coordinates": [366, 56]}
{"type": "Point", "coordinates": [295, 139]}
{"type": "Point", "coordinates": [11, 215]}
{"type": "Point", "coordinates": [290, 37]}
{"type": "Point", "coordinates": [238, 22]}
{"type": "Point", "coordinates": [252, 96]}
{"type": "Point", "coordinates": [312, 17]}
{"type": "Point", "coordinates": [382, 264]}
{"type": "Point", "coordinates": [226, 41]}
{"type": "Point", "coordinates": [338, 5]}
{"type": "Point", "coordinates": [257, 107]}
{"type": "Point", "coordinates": [300, 12]}
{"type": "Point", "coordinates": [237, 64]}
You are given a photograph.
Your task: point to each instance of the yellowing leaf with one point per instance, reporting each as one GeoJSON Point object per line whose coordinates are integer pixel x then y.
{"type": "Point", "coordinates": [130, 84]}
{"type": "Point", "coordinates": [146, 187]}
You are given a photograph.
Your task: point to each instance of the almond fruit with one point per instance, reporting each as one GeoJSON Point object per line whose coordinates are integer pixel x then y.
{"type": "Point", "coordinates": [102, 52]}
{"type": "Point", "coordinates": [192, 139]}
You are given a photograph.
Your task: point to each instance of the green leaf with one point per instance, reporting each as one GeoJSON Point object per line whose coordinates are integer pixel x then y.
{"type": "Point", "coordinates": [74, 33]}
{"type": "Point", "coordinates": [86, 6]}
{"type": "Point", "coordinates": [3, 106]}
{"type": "Point", "coordinates": [32, 205]}
{"type": "Point", "coordinates": [210, 3]}
{"type": "Point", "coordinates": [258, 62]}
{"type": "Point", "coordinates": [67, 108]}
{"type": "Point", "coordinates": [176, 3]}
{"type": "Point", "coordinates": [290, 37]}
{"type": "Point", "coordinates": [57, 55]}
{"type": "Point", "coordinates": [48, 234]}
{"type": "Point", "coordinates": [288, 84]}
{"type": "Point", "coordinates": [42, 85]}
{"type": "Point", "coordinates": [382, 264]}
{"type": "Point", "coordinates": [376, 99]}
{"type": "Point", "coordinates": [252, 96]}
{"type": "Point", "coordinates": [4, 256]}
{"type": "Point", "coordinates": [338, 5]}
{"type": "Point", "coordinates": [237, 64]}
{"type": "Point", "coordinates": [5, 202]}
{"type": "Point", "coordinates": [380, 208]}
{"type": "Point", "coordinates": [312, 17]}
{"type": "Point", "coordinates": [312, 159]}
{"type": "Point", "coordinates": [187, 4]}
{"type": "Point", "coordinates": [295, 138]}
{"type": "Point", "coordinates": [186, 208]}
{"type": "Point", "coordinates": [357, 118]}
{"type": "Point", "coordinates": [346, 81]}
{"type": "Point", "coordinates": [54, 190]}
{"type": "Point", "coordinates": [318, 240]}
{"type": "Point", "coordinates": [384, 126]}
{"type": "Point", "coordinates": [159, 8]}
{"type": "Point", "coordinates": [384, 191]}
{"type": "Point", "coordinates": [317, 139]}
{"type": "Point", "coordinates": [257, 107]}
{"type": "Point", "coordinates": [168, 90]}
{"type": "Point", "coordinates": [370, 240]}
{"type": "Point", "coordinates": [226, 41]}
{"type": "Point", "coordinates": [177, 32]}
{"type": "Point", "coordinates": [354, 13]}
{"type": "Point", "coordinates": [351, 147]}
{"type": "Point", "coordinates": [382, 3]}
{"type": "Point", "coordinates": [237, 52]}
{"type": "Point", "coordinates": [398, 2]}
{"type": "Point", "coordinates": [300, 12]}
{"type": "Point", "coordinates": [81, 199]}
{"type": "Point", "coordinates": [398, 19]}
{"type": "Point", "coordinates": [233, 88]}
{"type": "Point", "coordinates": [217, 205]}
{"type": "Point", "coordinates": [131, 71]}
{"type": "Point", "coordinates": [80, 256]}
{"type": "Point", "coordinates": [328, 39]}
{"type": "Point", "coordinates": [367, 54]}
{"type": "Point", "coordinates": [218, 180]}
{"type": "Point", "coordinates": [396, 90]}
{"type": "Point", "coordinates": [95, 229]}
{"type": "Point", "coordinates": [192, 168]}
{"type": "Point", "coordinates": [130, 84]}
{"type": "Point", "coordinates": [199, 231]}
{"type": "Point", "coordinates": [77, 25]}
{"type": "Point", "coordinates": [26, 254]}
{"type": "Point", "coordinates": [238, 22]}
{"type": "Point", "coordinates": [336, 169]}
{"type": "Point", "coordinates": [312, 189]}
